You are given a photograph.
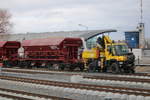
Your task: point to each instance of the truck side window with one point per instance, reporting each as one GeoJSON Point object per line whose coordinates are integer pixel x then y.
{"type": "Point", "coordinates": [110, 50]}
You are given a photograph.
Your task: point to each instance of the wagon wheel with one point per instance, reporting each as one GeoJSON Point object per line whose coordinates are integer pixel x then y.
{"type": "Point", "coordinates": [71, 68]}
{"type": "Point", "coordinates": [12, 63]}
{"type": "Point", "coordinates": [15, 63]}
{"type": "Point", "coordinates": [81, 66]}
{"type": "Point", "coordinates": [61, 66]}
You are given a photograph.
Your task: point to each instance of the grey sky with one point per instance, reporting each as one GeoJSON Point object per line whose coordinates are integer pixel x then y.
{"type": "Point", "coordinates": [65, 15]}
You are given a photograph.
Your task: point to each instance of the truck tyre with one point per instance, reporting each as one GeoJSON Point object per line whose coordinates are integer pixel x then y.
{"type": "Point", "coordinates": [114, 68]}
{"type": "Point", "coordinates": [104, 69]}
{"type": "Point", "coordinates": [93, 66]}
{"type": "Point", "coordinates": [129, 69]}
{"type": "Point", "coordinates": [132, 71]}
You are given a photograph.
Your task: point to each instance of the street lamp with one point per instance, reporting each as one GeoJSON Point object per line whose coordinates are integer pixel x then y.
{"type": "Point", "coordinates": [83, 26]}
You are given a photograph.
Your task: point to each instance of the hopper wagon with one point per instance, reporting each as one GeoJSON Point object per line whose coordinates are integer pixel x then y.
{"type": "Point", "coordinates": [9, 52]}
{"type": "Point", "coordinates": [53, 53]}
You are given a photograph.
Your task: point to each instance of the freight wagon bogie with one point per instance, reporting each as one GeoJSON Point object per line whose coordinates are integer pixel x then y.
{"type": "Point", "coordinates": [52, 65]}
{"type": "Point", "coordinates": [10, 63]}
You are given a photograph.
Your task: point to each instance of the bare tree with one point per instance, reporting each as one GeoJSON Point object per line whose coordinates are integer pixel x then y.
{"type": "Point", "coordinates": [5, 24]}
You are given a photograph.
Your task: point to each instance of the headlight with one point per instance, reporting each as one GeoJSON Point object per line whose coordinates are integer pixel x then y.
{"type": "Point", "coordinates": [120, 62]}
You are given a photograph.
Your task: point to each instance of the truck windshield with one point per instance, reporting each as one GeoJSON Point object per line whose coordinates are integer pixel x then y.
{"type": "Point", "coordinates": [121, 49]}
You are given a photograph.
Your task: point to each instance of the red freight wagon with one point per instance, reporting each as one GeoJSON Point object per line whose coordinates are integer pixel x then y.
{"type": "Point", "coordinates": [9, 52]}
{"type": "Point", "coordinates": [52, 52]}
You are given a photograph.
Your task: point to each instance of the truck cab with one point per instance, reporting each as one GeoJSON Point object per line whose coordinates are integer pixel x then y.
{"type": "Point", "coordinates": [118, 58]}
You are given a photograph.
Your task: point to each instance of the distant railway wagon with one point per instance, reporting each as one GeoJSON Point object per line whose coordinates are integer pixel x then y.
{"type": "Point", "coordinates": [9, 52]}
{"type": "Point", "coordinates": [57, 53]}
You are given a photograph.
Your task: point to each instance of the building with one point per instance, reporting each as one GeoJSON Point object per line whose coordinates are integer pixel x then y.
{"type": "Point", "coordinates": [136, 38]}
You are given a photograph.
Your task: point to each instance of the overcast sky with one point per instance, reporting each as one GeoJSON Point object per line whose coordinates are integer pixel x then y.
{"type": "Point", "coordinates": [66, 15]}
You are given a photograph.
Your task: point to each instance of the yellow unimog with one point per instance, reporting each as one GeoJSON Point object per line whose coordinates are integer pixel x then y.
{"type": "Point", "coordinates": [104, 55]}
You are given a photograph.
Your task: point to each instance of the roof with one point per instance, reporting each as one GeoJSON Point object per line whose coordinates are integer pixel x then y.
{"type": "Point", "coordinates": [42, 42]}
{"type": "Point", "coordinates": [133, 31]}
{"type": "Point", "coordinates": [3, 43]}
{"type": "Point", "coordinates": [90, 34]}
{"type": "Point", "coordinates": [30, 36]}
{"type": "Point", "coordinates": [46, 41]}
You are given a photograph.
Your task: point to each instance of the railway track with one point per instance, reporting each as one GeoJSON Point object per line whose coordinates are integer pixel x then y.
{"type": "Point", "coordinates": [42, 71]}
{"type": "Point", "coordinates": [11, 97]}
{"type": "Point", "coordinates": [112, 78]}
{"type": "Point", "coordinates": [36, 71]}
{"type": "Point", "coordinates": [138, 77]}
{"type": "Point", "coordinates": [21, 95]}
{"type": "Point", "coordinates": [99, 88]}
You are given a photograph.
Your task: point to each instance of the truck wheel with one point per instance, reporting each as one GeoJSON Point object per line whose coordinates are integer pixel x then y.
{"type": "Point", "coordinates": [114, 68]}
{"type": "Point", "coordinates": [129, 70]}
{"type": "Point", "coordinates": [132, 71]}
{"type": "Point", "coordinates": [104, 69]}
